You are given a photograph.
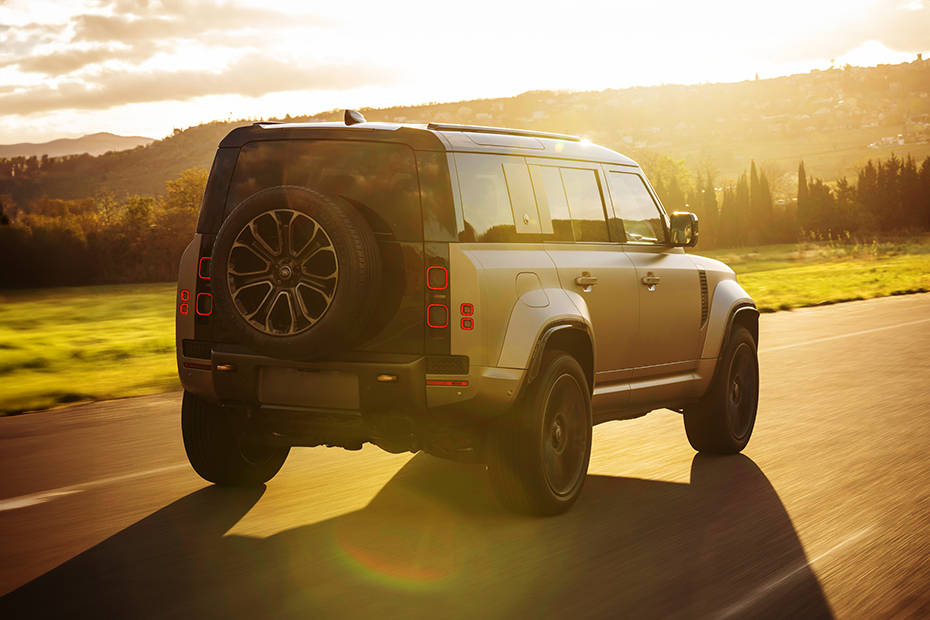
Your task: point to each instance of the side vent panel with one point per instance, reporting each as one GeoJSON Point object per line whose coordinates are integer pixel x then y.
{"type": "Point", "coordinates": [703, 277]}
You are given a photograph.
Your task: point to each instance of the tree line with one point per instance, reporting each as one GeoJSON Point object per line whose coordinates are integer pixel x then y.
{"type": "Point", "coordinates": [100, 239]}
{"type": "Point", "coordinates": [889, 196]}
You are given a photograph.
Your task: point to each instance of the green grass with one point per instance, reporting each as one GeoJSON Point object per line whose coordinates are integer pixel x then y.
{"type": "Point", "coordinates": [68, 345]}
{"type": "Point", "coordinates": [781, 277]}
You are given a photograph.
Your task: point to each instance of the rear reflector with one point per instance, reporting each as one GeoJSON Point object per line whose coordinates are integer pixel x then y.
{"type": "Point", "coordinates": [447, 382]}
{"type": "Point", "coordinates": [197, 366]}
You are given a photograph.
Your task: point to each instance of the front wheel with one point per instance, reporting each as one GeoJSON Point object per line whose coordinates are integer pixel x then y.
{"type": "Point", "coordinates": [538, 456]}
{"type": "Point", "coordinates": [221, 450]}
{"type": "Point", "coordinates": [722, 421]}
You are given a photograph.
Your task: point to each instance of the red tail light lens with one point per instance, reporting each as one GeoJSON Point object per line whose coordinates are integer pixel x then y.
{"type": "Point", "coordinates": [204, 306]}
{"type": "Point", "coordinates": [203, 268]}
{"type": "Point", "coordinates": [437, 278]}
{"type": "Point", "coordinates": [437, 316]}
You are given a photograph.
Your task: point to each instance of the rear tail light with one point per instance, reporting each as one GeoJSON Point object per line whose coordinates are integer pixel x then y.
{"type": "Point", "coordinates": [203, 268]}
{"type": "Point", "coordinates": [437, 278]}
{"type": "Point", "coordinates": [204, 306]}
{"type": "Point", "coordinates": [437, 316]}
{"type": "Point", "coordinates": [438, 311]}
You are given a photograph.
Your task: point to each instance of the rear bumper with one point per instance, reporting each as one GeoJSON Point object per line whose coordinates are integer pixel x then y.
{"type": "Point", "coordinates": [259, 382]}
{"type": "Point", "coordinates": [247, 379]}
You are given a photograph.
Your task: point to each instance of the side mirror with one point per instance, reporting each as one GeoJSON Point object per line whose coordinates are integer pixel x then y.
{"type": "Point", "coordinates": [684, 229]}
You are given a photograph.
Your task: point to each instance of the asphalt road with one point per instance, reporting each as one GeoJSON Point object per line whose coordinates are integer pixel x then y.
{"type": "Point", "coordinates": [826, 513]}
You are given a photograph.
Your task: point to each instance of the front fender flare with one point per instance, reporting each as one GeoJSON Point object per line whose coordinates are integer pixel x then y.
{"type": "Point", "coordinates": [729, 298]}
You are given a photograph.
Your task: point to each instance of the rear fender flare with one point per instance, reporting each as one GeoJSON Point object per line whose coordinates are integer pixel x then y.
{"type": "Point", "coordinates": [528, 325]}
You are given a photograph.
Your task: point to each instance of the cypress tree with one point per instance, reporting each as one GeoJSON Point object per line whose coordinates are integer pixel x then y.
{"type": "Point", "coordinates": [766, 208]}
{"type": "Point", "coordinates": [804, 219]}
{"type": "Point", "coordinates": [741, 208]}
{"type": "Point", "coordinates": [925, 192]}
{"type": "Point", "coordinates": [709, 208]}
{"type": "Point", "coordinates": [755, 210]}
{"type": "Point", "coordinates": [727, 218]}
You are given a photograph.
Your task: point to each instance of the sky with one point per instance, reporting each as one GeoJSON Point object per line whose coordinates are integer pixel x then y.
{"type": "Point", "coordinates": [145, 67]}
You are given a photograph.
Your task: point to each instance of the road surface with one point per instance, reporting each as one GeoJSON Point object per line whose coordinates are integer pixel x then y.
{"type": "Point", "coordinates": [826, 513]}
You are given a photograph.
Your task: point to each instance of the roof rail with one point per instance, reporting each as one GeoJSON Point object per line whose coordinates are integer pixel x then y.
{"type": "Point", "coordinates": [501, 130]}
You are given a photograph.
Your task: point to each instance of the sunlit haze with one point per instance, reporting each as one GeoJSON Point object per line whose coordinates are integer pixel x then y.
{"type": "Point", "coordinates": [135, 67]}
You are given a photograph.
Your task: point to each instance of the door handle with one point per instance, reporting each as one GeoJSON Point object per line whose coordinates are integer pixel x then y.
{"type": "Point", "coordinates": [586, 281]}
{"type": "Point", "coordinates": [650, 280]}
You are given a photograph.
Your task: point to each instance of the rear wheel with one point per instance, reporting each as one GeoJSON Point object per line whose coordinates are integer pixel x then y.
{"type": "Point", "coordinates": [722, 421]}
{"type": "Point", "coordinates": [220, 448]}
{"type": "Point", "coordinates": [538, 456]}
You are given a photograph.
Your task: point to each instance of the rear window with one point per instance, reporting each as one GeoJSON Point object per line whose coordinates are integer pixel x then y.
{"type": "Point", "coordinates": [379, 177]}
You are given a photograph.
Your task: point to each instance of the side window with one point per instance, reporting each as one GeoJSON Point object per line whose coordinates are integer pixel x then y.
{"type": "Point", "coordinates": [635, 207]}
{"type": "Point", "coordinates": [522, 201]}
{"type": "Point", "coordinates": [554, 216]}
{"type": "Point", "coordinates": [497, 198]}
{"type": "Point", "coordinates": [584, 202]}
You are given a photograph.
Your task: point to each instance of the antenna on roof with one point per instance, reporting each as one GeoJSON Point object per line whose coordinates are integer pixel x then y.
{"type": "Point", "coordinates": [354, 116]}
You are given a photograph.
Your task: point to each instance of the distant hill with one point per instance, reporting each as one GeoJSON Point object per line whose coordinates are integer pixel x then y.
{"type": "Point", "coordinates": [834, 120]}
{"type": "Point", "coordinates": [93, 144]}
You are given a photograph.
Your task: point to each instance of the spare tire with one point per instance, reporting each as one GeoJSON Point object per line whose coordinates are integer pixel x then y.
{"type": "Point", "coordinates": [295, 272]}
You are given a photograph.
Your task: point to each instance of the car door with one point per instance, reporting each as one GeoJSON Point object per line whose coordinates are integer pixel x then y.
{"type": "Point", "coordinates": [590, 263]}
{"type": "Point", "coordinates": [669, 290]}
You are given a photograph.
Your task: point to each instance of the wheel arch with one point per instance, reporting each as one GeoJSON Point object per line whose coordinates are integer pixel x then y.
{"type": "Point", "coordinates": [573, 337]}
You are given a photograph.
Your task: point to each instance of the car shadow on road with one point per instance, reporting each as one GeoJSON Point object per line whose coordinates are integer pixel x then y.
{"type": "Point", "coordinates": [435, 543]}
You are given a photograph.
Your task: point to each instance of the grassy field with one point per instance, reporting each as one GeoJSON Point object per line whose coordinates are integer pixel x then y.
{"type": "Point", "coordinates": [67, 345]}
{"type": "Point", "coordinates": [781, 277]}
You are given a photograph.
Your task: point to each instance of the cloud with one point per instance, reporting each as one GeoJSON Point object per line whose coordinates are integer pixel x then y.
{"type": "Point", "coordinates": [69, 60]}
{"type": "Point", "coordinates": [181, 21]}
{"type": "Point", "coordinates": [252, 76]}
{"type": "Point", "coordinates": [899, 25]}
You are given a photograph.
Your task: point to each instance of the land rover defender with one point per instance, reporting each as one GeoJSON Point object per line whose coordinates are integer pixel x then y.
{"type": "Point", "coordinates": [482, 294]}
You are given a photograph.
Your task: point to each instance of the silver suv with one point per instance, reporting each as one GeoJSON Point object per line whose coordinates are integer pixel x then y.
{"type": "Point", "coordinates": [482, 294]}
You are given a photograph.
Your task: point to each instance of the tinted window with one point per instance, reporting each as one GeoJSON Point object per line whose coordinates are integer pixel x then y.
{"type": "Point", "coordinates": [639, 213]}
{"type": "Point", "coordinates": [436, 197]}
{"type": "Point", "coordinates": [497, 198]}
{"type": "Point", "coordinates": [379, 177]}
{"type": "Point", "coordinates": [585, 204]}
{"type": "Point", "coordinates": [554, 217]}
{"type": "Point", "coordinates": [522, 200]}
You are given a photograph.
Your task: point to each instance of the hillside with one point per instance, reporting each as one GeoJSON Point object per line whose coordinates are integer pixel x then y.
{"type": "Point", "coordinates": [93, 144]}
{"type": "Point", "coordinates": [835, 120]}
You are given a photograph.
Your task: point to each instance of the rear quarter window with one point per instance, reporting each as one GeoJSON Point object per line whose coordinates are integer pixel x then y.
{"type": "Point", "coordinates": [378, 177]}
